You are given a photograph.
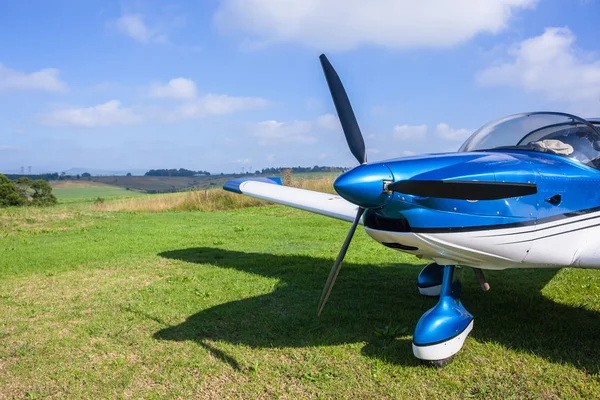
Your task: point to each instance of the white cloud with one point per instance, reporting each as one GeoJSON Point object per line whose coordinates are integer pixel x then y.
{"type": "Point", "coordinates": [8, 148]}
{"type": "Point", "coordinates": [329, 122]}
{"type": "Point", "coordinates": [243, 161]}
{"type": "Point", "coordinates": [410, 132]}
{"type": "Point", "coordinates": [216, 104]}
{"type": "Point", "coordinates": [550, 65]}
{"type": "Point", "coordinates": [133, 25]}
{"type": "Point", "coordinates": [107, 114]}
{"type": "Point", "coordinates": [178, 88]}
{"type": "Point", "coordinates": [45, 79]}
{"type": "Point", "coordinates": [346, 24]}
{"type": "Point", "coordinates": [274, 132]}
{"type": "Point", "coordinates": [446, 132]}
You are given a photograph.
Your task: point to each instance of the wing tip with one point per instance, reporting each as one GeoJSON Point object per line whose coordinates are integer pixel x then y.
{"type": "Point", "coordinates": [233, 185]}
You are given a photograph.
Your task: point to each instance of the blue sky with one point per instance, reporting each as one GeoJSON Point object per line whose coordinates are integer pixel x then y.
{"type": "Point", "coordinates": [222, 85]}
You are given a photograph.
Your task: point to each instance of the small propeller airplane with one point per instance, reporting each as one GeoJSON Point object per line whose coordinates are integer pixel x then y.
{"type": "Point", "coordinates": [521, 192]}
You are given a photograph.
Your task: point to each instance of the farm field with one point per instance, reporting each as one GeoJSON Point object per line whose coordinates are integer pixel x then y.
{"type": "Point", "coordinates": [161, 184]}
{"type": "Point", "coordinates": [100, 304]}
{"type": "Point", "coordinates": [87, 191]}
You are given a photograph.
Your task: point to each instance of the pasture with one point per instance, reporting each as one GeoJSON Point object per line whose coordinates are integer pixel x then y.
{"type": "Point", "coordinates": [222, 304]}
{"type": "Point", "coordinates": [87, 191]}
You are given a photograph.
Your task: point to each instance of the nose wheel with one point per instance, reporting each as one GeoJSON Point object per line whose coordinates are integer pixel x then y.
{"type": "Point", "coordinates": [442, 330]}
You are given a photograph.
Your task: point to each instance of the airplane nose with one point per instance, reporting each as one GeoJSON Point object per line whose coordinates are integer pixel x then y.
{"type": "Point", "coordinates": [363, 185]}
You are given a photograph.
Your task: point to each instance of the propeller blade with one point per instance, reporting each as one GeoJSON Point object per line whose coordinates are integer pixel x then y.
{"type": "Point", "coordinates": [344, 111]}
{"type": "Point", "coordinates": [463, 190]}
{"type": "Point", "coordinates": [338, 262]}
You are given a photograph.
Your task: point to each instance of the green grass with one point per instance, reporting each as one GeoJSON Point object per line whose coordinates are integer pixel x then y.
{"type": "Point", "coordinates": [222, 305]}
{"type": "Point", "coordinates": [88, 194]}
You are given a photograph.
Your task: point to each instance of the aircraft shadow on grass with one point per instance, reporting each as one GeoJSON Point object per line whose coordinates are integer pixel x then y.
{"type": "Point", "coordinates": [514, 313]}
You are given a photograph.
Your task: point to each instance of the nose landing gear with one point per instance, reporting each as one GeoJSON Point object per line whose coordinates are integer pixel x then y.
{"type": "Point", "coordinates": [441, 331]}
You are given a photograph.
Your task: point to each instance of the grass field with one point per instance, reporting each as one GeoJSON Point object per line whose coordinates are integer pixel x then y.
{"type": "Point", "coordinates": [97, 304]}
{"type": "Point", "coordinates": [88, 191]}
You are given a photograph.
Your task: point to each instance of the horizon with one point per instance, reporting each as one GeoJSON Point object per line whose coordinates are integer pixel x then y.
{"type": "Point", "coordinates": [232, 84]}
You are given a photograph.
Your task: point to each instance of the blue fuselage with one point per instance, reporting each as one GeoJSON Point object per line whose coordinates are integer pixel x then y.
{"type": "Point", "coordinates": [564, 187]}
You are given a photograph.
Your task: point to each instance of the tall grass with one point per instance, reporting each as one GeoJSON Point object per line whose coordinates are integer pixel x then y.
{"type": "Point", "coordinates": [205, 200]}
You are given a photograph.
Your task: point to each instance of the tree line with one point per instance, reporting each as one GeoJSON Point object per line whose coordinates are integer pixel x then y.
{"type": "Point", "coordinates": [316, 168]}
{"type": "Point", "coordinates": [175, 172]}
{"type": "Point", "coordinates": [25, 191]}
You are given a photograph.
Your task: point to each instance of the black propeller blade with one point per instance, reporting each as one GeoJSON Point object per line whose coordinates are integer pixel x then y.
{"type": "Point", "coordinates": [344, 111]}
{"type": "Point", "coordinates": [463, 190]}
{"type": "Point", "coordinates": [357, 147]}
{"type": "Point", "coordinates": [338, 262]}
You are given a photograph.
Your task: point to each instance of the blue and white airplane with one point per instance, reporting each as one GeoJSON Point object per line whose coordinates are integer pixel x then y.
{"type": "Point", "coordinates": [521, 192]}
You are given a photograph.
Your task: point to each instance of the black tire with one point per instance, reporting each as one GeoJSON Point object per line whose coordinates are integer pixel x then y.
{"type": "Point", "coordinates": [441, 363]}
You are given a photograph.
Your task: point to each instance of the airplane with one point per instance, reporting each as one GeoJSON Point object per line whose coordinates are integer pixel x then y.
{"type": "Point", "coordinates": [521, 192]}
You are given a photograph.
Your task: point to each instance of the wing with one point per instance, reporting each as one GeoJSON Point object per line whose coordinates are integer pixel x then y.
{"type": "Point", "coordinates": [271, 189]}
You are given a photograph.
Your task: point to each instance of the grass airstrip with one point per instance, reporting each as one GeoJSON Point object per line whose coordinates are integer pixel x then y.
{"type": "Point", "coordinates": [125, 301]}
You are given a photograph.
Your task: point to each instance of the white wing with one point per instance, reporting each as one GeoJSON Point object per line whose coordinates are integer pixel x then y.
{"type": "Point", "coordinates": [271, 189]}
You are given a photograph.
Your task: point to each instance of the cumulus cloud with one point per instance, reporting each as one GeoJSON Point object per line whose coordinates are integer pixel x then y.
{"type": "Point", "coordinates": [178, 88]}
{"type": "Point", "coordinates": [444, 131]}
{"type": "Point", "coordinates": [45, 79]}
{"type": "Point", "coordinates": [107, 114]}
{"type": "Point", "coordinates": [133, 25]}
{"type": "Point", "coordinates": [346, 24]}
{"type": "Point", "coordinates": [410, 132]}
{"type": "Point", "coordinates": [275, 132]}
{"type": "Point", "coordinates": [329, 122]}
{"type": "Point", "coordinates": [216, 104]}
{"type": "Point", "coordinates": [550, 65]}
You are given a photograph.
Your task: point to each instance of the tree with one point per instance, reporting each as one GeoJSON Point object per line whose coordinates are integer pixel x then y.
{"type": "Point", "coordinates": [86, 175]}
{"type": "Point", "coordinates": [24, 191]}
{"type": "Point", "coordinates": [9, 193]}
{"type": "Point", "coordinates": [128, 174]}
{"type": "Point", "coordinates": [42, 193]}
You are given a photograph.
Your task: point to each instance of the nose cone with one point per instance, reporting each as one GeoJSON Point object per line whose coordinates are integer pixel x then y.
{"type": "Point", "coordinates": [363, 185]}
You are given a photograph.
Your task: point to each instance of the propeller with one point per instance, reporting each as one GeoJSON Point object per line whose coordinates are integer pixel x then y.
{"type": "Point", "coordinates": [344, 111]}
{"type": "Point", "coordinates": [337, 265]}
{"type": "Point", "coordinates": [357, 147]}
{"type": "Point", "coordinates": [463, 190]}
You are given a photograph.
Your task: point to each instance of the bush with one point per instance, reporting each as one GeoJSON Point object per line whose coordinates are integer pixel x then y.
{"type": "Point", "coordinates": [9, 193]}
{"type": "Point", "coordinates": [42, 193]}
{"type": "Point", "coordinates": [25, 192]}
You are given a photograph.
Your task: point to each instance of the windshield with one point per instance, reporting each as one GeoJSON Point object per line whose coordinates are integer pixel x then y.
{"type": "Point", "coordinates": [557, 133]}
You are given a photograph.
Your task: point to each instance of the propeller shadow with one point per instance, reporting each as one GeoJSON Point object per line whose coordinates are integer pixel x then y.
{"type": "Point", "coordinates": [368, 297]}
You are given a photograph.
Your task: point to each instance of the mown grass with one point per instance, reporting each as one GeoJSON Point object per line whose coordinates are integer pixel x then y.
{"type": "Point", "coordinates": [97, 304]}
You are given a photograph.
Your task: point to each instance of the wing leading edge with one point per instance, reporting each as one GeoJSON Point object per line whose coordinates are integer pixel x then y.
{"type": "Point", "coordinates": [271, 189]}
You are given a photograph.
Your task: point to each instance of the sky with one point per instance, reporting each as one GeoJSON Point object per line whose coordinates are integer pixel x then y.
{"type": "Point", "coordinates": [232, 85]}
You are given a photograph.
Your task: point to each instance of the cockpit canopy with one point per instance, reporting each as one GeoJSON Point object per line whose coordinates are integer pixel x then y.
{"type": "Point", "coordinates": [550, 132]}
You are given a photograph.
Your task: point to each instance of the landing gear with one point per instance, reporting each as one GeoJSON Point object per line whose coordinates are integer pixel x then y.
{"type": "Point", "coordinates": [441, 331]}
{"type": "Point", "coordinates": [429, 281]}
